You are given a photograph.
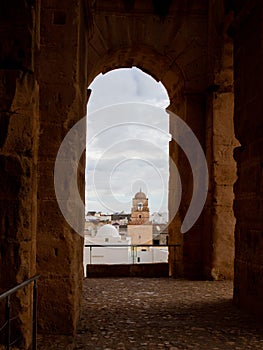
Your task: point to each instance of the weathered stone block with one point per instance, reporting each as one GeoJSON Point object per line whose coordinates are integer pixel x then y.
{"type": "Point", "coordinates": [56, 299]}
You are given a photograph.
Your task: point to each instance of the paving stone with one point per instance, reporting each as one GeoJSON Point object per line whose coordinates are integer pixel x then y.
{"type": "Point", "coordinates": [136, 313]}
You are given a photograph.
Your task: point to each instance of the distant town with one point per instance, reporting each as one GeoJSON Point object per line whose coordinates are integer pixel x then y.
{"type": "Point", "coordinates": [125, 222]}
{"type": "Point", "coordinates": [124, 238]}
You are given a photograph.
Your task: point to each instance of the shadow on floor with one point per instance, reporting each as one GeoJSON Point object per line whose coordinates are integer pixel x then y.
{"type": "Point", "coordinates": [136, 313]}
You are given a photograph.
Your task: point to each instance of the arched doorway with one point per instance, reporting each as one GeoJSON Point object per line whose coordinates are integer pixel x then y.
{"type": "Point", "coordinates": [127, 151]}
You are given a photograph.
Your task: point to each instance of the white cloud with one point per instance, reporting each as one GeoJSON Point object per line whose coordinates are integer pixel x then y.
{"type": "Point", "coordinates": [126, 85]}
{"type": "Point", "coordinates": [127, 144]}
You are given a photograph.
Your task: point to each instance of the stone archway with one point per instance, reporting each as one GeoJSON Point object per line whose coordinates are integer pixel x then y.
{"type": "Point", "coordinates": [175, 52]}
{"type": "Point", "coordinates": [195, 82]}
{"type": "Point", "coordinates": [45, 76]}
{"type": "Point", "coordinates": [181, 60]}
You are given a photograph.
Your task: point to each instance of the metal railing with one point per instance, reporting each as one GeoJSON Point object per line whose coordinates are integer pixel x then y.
{"type": "Point", "coordinates": [134, 248]}
{"type": "Point", "coordinates": [6, 327]}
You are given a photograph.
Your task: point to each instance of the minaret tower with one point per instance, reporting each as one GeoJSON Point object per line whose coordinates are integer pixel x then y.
{"type": "Point", "coordinates": [140, 227]}
{"type": "Point", "coordinates": [140, 211]}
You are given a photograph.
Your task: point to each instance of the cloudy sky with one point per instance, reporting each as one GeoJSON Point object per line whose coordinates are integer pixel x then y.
{"type": "Point", "coordinates": [127, 141]}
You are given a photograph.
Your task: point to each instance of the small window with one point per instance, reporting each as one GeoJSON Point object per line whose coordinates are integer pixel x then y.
{"type": "Point", "coordinates": [106, 239]}
{"type": "Point", "coordinates": [140, 205]}
{"type": "Point", "coordinates": [140, 216]}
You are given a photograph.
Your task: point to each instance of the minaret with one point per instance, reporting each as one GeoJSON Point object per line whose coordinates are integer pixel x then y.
{"type": "Point", "coordinates": [140, 211]}
{"type": "Point", "coordinates": [140, 227]}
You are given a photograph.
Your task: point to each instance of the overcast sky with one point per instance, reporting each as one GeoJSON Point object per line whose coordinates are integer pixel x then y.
{"type": "Point", "coordinates": [127, 141]}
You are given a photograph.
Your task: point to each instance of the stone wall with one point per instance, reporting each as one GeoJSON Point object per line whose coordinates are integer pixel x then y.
{"type": "Point", "coordinates": [208, 248]}
{"type": "Point", "coordinates": [248, 205]}
{"type": "Point", "coordinates": [19, 97]}
{"type": "Point", "coordinates": [63, 97]}
{"type": "Point", "coordinates": [157, 270]}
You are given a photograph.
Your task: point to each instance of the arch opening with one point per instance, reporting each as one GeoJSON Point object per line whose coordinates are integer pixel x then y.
{"type": "Point", "coordinates": [127, 150]}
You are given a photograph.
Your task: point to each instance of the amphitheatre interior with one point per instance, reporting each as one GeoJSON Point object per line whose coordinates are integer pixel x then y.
{"type": "Point", "coordinates": [208, 56]}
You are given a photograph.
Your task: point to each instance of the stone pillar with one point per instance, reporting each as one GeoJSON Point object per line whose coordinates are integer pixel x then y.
{"type": "Point", "coordinates": [207, 249]}
{"type": "Point", "coordinates": [189, 256]}
{"type": "Point", "coordinates": [248, 205]}
{"type": "Point", "coordinates": [177, 106]}
{"type": "Point", "coordinates": [193, 239]}
{"type": "Point", "coordinates": [219, 216]}
{"type": "Point", "coordinates": [19, 117]}
{"type": "Point", "coordinates": [175, 236]}
{"type": "Point", "coordinates": [219, 220]}
{"type": "Point", "coordinates": [62, 76]}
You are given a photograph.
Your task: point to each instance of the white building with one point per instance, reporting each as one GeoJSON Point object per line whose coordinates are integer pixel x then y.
{"type": "Point", "coordinates": [151, 255]}
{"type": "Point", "coordinates": [103, 253]}
{"type": "Point", "coordinates": [122, 252]}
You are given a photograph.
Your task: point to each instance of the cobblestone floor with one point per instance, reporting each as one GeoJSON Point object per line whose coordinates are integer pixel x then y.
{"type": "Point", "coordinates": [135, 314]}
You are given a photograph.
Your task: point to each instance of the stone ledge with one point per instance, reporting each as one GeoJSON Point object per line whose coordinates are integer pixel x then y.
{"type": "Point", "coordinates": [129, 270]}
